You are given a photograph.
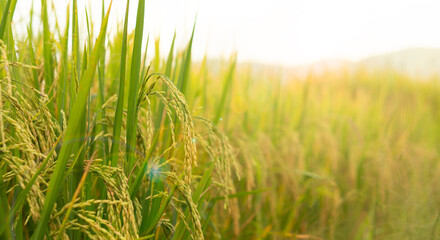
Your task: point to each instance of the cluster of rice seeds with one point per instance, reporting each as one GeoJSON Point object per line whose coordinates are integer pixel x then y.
{"type": "Point", "coordinates": [217, 146]}
{"type": "Point", "coordinates": [5, 65]}
{"type": "Point", "coordinates": [169, 114]}
{"type": "Point", "coordinates": [219, 150]}
{"type": "Point", "coordinates": [117, 191]}
{"type": "Point", "coordinates": [31, 134]}
{"type": "Point", "coordinates": [185, 192]}
{"type": "Point", "coordinates": [145, 128]}
{"type": "Point", "coordinates": [108, 112]}
{"type": "Point", "coordinates": [174, 103]}
{"type": "Point", "coordinates": [94, 226]}
{"type": "Point", "coordinates": [168, 227]}
{"type": "Point", "coordinates": [178, 103]}
{"type": "Point", "coordinates": [108, 120]}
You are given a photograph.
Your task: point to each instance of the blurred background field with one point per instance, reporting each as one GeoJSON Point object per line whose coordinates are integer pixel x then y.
{"type": "Point", "coordinates": [109, 133]}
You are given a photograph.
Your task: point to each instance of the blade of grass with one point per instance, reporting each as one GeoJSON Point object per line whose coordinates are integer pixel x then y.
{"type": "Point", "coordinates": [9, 10]}
{"type": "Point", "coordinates": [76, 70]}
{"type": "Point", "coordinates": [114, 152]}
{"type": "Point", "coordinates": [62, 96]}
{"type": "Point", "coordinates": [31, 48]}
{"type": "Point", "coordinates": [101, 77]}
{"type": "Point", "coordinates": [32, 58]}
{"type": "Point", "coordinates": [170, 57]}
{"type": "Point", "coordinates": [10, 43]}
{"type": "Point", "coordinates": [73, 125]}
{"type": "Point", "coordinates": [133, 89]}
{"type": "Point", "coordinates": [4, 209]}
{"type": "Point", "coordinates": [144, 62]}
{"type": "Point", "coordinates": [4, 206]}
{"type": "Point", "coordinates": [156, 61]}
{"type": "Point", "coordinates": [226, 90]}
{"type": "Point", "coordinates": [47, 50]}
{"type": "Point", "coordinates": [80, 135]}
{"type": "Point", "coordinates": [186, 64]}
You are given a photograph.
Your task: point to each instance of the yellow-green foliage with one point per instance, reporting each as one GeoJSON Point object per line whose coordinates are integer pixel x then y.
{"type": "Point", "coordinates": [217, 149]}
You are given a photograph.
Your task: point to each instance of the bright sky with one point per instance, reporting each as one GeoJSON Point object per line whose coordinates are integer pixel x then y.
{"type": "Point", "coordinates": [288, 32]}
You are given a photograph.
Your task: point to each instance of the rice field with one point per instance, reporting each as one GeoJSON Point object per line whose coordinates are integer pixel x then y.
{"type": "Point", "coordinates": [99, 141]}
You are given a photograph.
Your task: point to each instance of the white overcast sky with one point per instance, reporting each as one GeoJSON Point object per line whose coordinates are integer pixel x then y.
{"type": "Point", "coordinates": [288, 32]}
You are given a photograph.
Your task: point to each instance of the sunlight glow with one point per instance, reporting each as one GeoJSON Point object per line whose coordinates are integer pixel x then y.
{"type": "Point", "coordinates": [288, 32]}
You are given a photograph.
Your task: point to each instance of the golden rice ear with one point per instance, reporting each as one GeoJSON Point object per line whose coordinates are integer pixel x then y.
{"type": "Point", "coordinates": [220, 151]}
{"type": "Point", "coordinates": [178, 103]}
{"type": "Point", "coordinates": [186, 193]}
{"type": "Point", "coordinates": [29, 153]}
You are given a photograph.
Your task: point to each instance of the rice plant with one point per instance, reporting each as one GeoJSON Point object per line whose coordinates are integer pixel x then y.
{"type": "Point", "coordinates": [97, 143]}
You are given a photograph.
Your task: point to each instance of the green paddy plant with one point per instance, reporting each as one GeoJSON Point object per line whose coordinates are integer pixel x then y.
{"type": "Point", "coordinates": [96, 143]}
{"type": "Point", "coordinates": [72, 127]}
{"type": "Point", "coordinates": [59, 180]}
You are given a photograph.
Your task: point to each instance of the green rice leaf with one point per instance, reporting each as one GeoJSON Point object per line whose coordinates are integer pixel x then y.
{"type": "Point", "coordinates": [8, 11]}
{"type": "Point", "coordinates": [114, 152]}
{"type": "Point", "coordinates": [134, 87]}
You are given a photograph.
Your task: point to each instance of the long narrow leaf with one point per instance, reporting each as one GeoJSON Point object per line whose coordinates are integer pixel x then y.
{"type": "Point", "coordinates": [120, 104]}
{"type": "Point", "coordinates": [226, 90]}
{"type": "Point", "coordinates": [62, 95]}
{"type": "Point", "coordinates": [10, 5]}
{"type": "Point", "coordinates": [186, 65]}
{"type": "Point", "coordinates": [134, 83]}
{"type": "Point", "coordinates": [47, 48]}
